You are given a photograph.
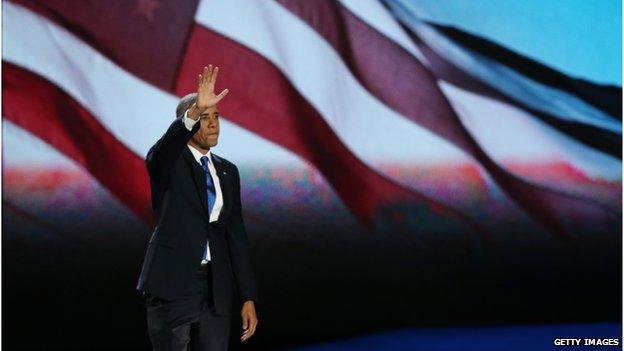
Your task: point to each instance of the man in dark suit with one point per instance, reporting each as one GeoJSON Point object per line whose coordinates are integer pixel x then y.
{"type": "Point", "coordinates": [198, 256]}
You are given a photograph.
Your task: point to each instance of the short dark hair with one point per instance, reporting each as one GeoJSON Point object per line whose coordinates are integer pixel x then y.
{"type": "Point", "coordinates": [185, 103]}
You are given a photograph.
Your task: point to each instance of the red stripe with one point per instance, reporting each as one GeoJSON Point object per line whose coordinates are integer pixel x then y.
{"type": "Point", "coordinates": [385, 69]}
{"type": "Point", "coordinates": [264, 102]}
{"type": "Point", "coordinates": [147, 38]}
{"type": "Point", "coordinates": [395, 77]}
{"type": "Point", "coordinates": [44, 110]}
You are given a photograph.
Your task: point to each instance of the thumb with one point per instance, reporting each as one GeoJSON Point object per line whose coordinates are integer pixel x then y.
{"type": "Point", "coordinates": [222, 94]}
{"type": "Point", "coordinates": [245, 321]}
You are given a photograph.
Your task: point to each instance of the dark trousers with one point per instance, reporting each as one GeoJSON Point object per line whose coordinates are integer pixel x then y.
{"type": "Point", "coordinates": [189, 323]}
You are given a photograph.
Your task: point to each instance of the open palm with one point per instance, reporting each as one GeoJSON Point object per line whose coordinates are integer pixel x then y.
{"type": "Point", "coordinates": [205, 88]}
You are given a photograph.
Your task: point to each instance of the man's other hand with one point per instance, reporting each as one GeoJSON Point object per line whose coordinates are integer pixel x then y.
{"type": "Point", "coordinates": [250, 320]}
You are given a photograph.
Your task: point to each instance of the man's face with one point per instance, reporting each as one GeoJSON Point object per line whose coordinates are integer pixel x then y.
{"type": "Point", "coordinates": [208, 134]}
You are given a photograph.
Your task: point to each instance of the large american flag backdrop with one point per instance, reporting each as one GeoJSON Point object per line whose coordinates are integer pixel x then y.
{"type": "Point", "coordinates": [384, 158]}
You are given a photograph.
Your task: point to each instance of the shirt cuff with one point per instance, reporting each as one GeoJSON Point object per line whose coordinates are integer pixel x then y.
{"type": "Point", "coordinates": [189, 122]}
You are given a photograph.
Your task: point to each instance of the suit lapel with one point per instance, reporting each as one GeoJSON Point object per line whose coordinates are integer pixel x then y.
{"type": "Point", "coordinates": [198, 178]}
{"type": "Point", "coordinates": [224, 182]}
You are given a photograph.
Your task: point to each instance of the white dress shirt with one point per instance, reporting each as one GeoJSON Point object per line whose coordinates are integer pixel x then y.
{"type": "Point", "coordinates": [216, 208]}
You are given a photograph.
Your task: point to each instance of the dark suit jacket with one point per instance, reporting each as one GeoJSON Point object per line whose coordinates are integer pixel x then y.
{"type": "Point", "coordinates": [178, 242]}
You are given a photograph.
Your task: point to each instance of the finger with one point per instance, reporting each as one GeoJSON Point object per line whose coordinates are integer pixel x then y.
{"type": "Point", "coordinates": [249, 332]}
{"type": "Point", "coordinates": [213, 78]}
{"type": "Point", "coordinates": [199, 81]}
{"type": "Point", "coordinates": [209, 76]}
{"type": "Point", "coordinates": [203, 75]}
{"type": "Point", "coordinates": [254, 326]}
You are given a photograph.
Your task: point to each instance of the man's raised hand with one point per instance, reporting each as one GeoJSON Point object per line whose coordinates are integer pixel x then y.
{"type": "Point", "coordinates": [206, 97]}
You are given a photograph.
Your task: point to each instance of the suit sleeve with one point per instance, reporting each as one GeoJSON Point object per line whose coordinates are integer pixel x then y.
{"type": "Point", "coordinates": [240, 252]}
{"type": "Point", "coordinates": [162, 156]}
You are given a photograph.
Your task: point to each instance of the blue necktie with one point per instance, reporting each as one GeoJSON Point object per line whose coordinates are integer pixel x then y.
{"type": "Point", "coordinates": [210, 193]}
{"type": "Point", "coordinates": [210, 189]}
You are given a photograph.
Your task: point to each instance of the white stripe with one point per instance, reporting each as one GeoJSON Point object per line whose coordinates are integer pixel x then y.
{"type": "Point", "coordinates": [369, 128]}
{"type": "Point", "coordinates": [509, 134]}
{"type": "Point", "coordinates": [135, 112]}
{"type": "Point", "coordinates": [373, 13]}
{"type": "Point", "coordinates": [20, 148]}
{"type": "Point", "coordinates": [535, 95]}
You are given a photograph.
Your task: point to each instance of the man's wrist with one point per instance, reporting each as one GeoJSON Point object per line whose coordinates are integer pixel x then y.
{"type": "Point", "coordinates": [189, 123]}
{"type": "Point", "coordinates": [193, 112]}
